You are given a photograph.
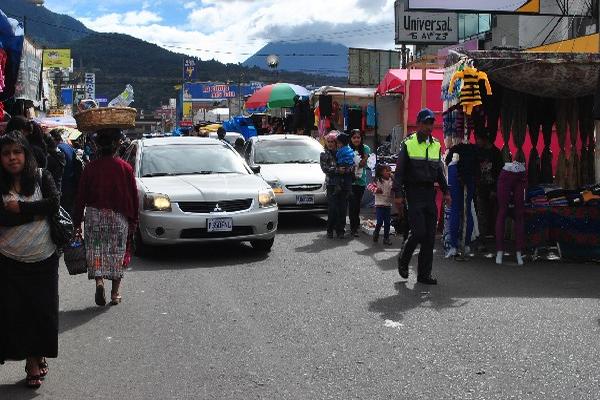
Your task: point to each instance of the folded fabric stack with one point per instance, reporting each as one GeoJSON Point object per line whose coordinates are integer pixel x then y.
{"type": "Point", "coordinates": [537, 197]}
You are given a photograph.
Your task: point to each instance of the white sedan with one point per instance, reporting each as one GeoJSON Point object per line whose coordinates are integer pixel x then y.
{"type": "Point", "coordinates": [194, 189]}
{"type": "Point", "coordinates": [290, 164]}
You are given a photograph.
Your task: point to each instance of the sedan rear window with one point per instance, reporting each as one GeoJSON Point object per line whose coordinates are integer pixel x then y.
{"type": "Point", "coordinates": [190, 160]}
{"type": "Point", "coordinates": [287, 152]}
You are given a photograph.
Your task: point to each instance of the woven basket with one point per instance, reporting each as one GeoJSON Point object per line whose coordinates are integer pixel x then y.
{"type": "Point", "coordinates": [106, 118]}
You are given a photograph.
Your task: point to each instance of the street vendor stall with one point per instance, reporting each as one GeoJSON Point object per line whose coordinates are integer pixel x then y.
{"type": "Point", "coordinates": [512, 97]}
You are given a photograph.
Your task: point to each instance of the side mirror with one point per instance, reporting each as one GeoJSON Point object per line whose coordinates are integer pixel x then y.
{"type": "Point", "coordinates": [255, 169]}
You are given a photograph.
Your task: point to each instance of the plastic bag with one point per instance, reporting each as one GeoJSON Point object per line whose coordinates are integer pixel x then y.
{"type": "Point", "coordinates": [124, 99]}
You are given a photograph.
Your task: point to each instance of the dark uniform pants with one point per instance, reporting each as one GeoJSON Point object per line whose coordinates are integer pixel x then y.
{"type": "Point", "coordinates": [422, 220]}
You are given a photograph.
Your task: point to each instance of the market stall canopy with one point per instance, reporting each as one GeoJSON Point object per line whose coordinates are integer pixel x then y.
{"type": "Point", "coordinates": [553, 75]}
{"type": "Point", "coordinates": [279, 95]}
{"type": "Point", "coordinates": [394, 82]}
{"type": "Point", "coordinates": [348, 92]}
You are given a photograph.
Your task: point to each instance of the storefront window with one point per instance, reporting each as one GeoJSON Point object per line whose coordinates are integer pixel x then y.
{"type": "Point", "coordinates": [471, 25]}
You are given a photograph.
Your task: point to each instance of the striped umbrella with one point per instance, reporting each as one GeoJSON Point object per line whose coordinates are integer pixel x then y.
{"type": "Point", "coordinates": [279, 95]}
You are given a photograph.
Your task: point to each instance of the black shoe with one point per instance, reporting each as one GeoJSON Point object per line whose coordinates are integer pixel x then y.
{"type": "Point", "coordinates": [375, 237]}
{"type": "Point", "coordinates": [387, 241]}
{"type": "Point", "coordinates": [355, 233]}
{"type": "Point", "coordinates": [428, 280]}
{"type": "Point", "coordinates": [330, 235]}
{"type": "Point", "coordinates": [341, 236]}
{"type": "Point", "coordinates": [402, 270]}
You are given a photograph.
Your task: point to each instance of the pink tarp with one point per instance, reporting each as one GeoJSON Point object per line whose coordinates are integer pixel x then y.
{"type": "Point", "coordinates": [394, 82]}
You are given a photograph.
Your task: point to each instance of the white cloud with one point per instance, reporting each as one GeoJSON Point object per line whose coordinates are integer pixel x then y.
{"type": "Point", "coordinates": [232, 30]}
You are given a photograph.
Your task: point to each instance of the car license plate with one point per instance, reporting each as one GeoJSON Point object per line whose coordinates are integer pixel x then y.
{"type": "Point", "coordinates": [305, 199]}
{"type": "Point", "coordinates": [219, 225]}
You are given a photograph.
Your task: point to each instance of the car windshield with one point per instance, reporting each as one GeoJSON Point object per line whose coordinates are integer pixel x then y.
{"type": "Point", "coordinates": [287, 152]}
{"type": "Point", "coordinates": [173, 160]}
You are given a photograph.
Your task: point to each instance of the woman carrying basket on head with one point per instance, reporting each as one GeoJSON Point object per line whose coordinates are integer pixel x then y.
{"type": "Point", "coordinates": [108, 197]}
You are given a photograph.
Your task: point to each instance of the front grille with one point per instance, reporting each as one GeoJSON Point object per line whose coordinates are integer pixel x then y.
{"type": "Point", "coordinates": [202, 233]}
{"type": "Point", "coordinates": [304, 188]}
{"type": "Point", "coordinates": [207, 207]}
{"type": "Point", "coordinates": [303, 207]}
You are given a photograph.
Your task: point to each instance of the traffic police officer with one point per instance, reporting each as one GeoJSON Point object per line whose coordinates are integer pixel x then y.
{"type": "Point", "coordinates": [418, 168]}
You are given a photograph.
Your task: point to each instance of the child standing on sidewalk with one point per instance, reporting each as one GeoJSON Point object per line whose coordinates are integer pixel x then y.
{"type": "Point", "coordinates": [383, 203]}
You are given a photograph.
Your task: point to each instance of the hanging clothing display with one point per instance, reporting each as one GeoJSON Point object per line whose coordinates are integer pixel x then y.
{"type": "Point", "coordinates": [534, 123]}
{"type": "Point", "coordinates": [451, 97]}
{"type": "Point", "coordinates": [470, 95]}
{"type": "Point", "coordinates": [354, 119]}
{"type": "Point", "coordinates": [548, 120]}
{"type": "Point", "coordinates": [561, 131]}
{"type": "Point", "coordinates": [11, 41]}
{"type": "Point", "coordinates": [371, 115]}
{"type": "Point", "coordinates": [573, 166]}
{"type": "Point", "coordinates": [326, 105]}
{"type": "Point", "coordinates": [512, 181]}
{"type": "Point", "coordinates": [507, 121]}
{"type": "Point", "coordinates": [519, 124]}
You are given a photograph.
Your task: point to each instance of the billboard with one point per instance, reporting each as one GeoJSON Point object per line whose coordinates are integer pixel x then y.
{"type": "Point", "coordinates": [90, 86]}
{"type": "Point", "coordinates": [367, 67]}
{"type": "Point", "coordinates": [57, 58]}
{"type": "Point", "coordinates": [481, 6]}
{"type": "Point", "coordinates": [28, 82]}
{"type": "Point", "coordinates": [425, 28]}
{"type": "Point", "coordinates": [216, 91]}
{"type": "Point", "coordinates": [190, 70]}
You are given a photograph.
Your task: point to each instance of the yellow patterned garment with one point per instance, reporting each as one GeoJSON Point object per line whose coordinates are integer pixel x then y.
{"type": "Point", "coordinates": [29, 243]}
{"type": "Point", "coordinates": [470, 95]}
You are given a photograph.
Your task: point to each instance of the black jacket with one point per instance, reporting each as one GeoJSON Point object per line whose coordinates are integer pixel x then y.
{"type": "Point", "coordinates": [46, 207]}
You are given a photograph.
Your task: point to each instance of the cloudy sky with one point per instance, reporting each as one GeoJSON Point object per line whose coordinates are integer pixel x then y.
{"type": "Point", "coordinates": [232, 30]}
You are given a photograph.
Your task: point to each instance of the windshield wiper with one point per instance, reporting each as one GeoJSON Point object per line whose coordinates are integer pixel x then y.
{"type": "Point", "coordinates": [153, 174]}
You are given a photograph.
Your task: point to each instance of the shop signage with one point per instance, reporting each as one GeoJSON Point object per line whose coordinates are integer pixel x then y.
{"type": "Point", "coordinates": [90, 86]}
{"type": "Point", "coordinates": [66, 96]}
{"type": "Point", "coordinates": [190, 70]}
{"type": "Point", "coordinates": [213, 91]}
{"type": "Point", "coordinates": [425, 28]}
{"type": "Point", "coordinates": [480, 6]}
{"type": "Point", "coordinates": [57, 58]}
{"type": "Point", "coordinates": [28, 82]}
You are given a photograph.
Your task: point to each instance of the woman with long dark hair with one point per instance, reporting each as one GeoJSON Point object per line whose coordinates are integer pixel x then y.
{"type": "Point", "coordinates": [108, 196]}
{"type": "Point", "coordinates": [29, 283]}
{"type": "Point", "coordinates": [359, 185]}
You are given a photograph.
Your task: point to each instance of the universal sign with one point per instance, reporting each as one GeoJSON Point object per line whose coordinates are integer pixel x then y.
{"type": "Point", "coordinates": [425, 28]}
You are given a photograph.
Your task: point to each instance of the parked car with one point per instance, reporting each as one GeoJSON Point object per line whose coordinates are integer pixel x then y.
{"type": "Point", "coordinates": [195, 189]}
{"type": "Point", "coordinates": [230, 137]}
{"type": "Point", "coordinates": [290, 164]}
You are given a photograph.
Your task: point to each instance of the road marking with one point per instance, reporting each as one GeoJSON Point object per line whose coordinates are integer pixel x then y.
{"type": "Point", "coordinates": [393, 324]}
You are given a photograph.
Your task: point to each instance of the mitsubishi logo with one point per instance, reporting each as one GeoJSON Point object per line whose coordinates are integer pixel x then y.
{"type": "Point", "coordinates": [217, 208]}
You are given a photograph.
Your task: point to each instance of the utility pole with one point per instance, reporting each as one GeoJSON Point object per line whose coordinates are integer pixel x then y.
{"type": "Point", "coordinates": [597, 123]}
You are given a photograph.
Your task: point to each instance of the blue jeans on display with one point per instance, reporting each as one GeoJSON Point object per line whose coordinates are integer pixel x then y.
{"type": "Point", "coordinates": [457, 192]}
{"type": "Point", "coordinates": [384, 218]}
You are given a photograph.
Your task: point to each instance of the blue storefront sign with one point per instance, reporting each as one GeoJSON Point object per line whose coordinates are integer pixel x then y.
{"type": "Point", "coordinates": [215, 91]}
{"type": "Point", "coordinates": [66, 96]}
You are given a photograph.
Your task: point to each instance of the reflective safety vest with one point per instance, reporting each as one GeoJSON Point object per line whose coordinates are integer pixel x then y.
{"type": "Point", "coordinates": [423, 164]}
{"type": "Point", "coordinates": [423, 150]}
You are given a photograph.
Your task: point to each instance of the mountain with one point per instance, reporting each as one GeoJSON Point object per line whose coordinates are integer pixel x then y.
{"type": "Point", "coordinates": [317, 57]}
{"type": "Point", "coordinates": [47, 28]}
{"type": "Point", "coordinates": [118, 59]}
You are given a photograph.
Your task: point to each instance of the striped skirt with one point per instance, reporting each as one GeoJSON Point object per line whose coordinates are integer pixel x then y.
{"type": "Point", "coordinates": [105, 234]}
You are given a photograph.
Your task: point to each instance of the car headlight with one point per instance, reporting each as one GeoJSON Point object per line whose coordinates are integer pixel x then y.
{"type": "Point", "coordinates": [157, 202]}
{"type": "Point", "coordinates": [276, 186]}
{"type": "Point", "coordinates": [266, 198]}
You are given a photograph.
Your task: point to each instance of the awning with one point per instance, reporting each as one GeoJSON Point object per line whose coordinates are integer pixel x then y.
{"type": "Point", "coordinates": [348, 92]}
{"type": "Point", "coordinates": [394, 81]}
{"type": "Point", "coordinates": [553, 75]}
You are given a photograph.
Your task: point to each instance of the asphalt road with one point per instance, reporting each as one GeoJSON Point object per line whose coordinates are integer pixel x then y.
{"type": "Point", "coordinates": [325, 319]}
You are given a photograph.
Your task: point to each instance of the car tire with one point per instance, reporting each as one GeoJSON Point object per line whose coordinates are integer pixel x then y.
{"type": "Point", "coordinates": [139, 248]}
{"type": "Point", "coordinates": [263, 245]}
